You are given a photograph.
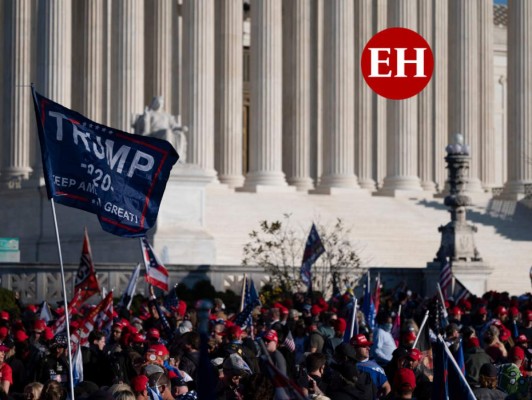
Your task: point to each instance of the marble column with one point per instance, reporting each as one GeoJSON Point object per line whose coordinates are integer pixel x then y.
{"type": "Point", "coordinates": [54, 59]}
{"type": "Point", "coordinates": [380, 13]}
{"type": "Point", "coordinates": [464, 81]}
{"type": "Point", "coordinates": [338, 98]}
{"type": "Point", "coordinates": [440, 9]}
{"type": "Point", "coordinates": [425, 103]}
{"type": "Point", "coordinates": [159, 35]}
{"type": "Point", "coordinates": [265, 137]}
{"type": "Point", "coordinates": [92, 60]}
{"type": "Point", "coordinates": [16, 92]}
{"type": "Point", "coordinates": [198, 82]}
{"type": "Point", "coordinates": [228, 92]}
{"type": "Point", "coordinates": [54, 63]}
{"type": "Point", "coordinates": [363, 100]}
{"type": "Point", "coordinates": [488, 149]}
{"type": "Point", "coordinates": [297, 102]}
{"type": "Point", "coordinates": [127, 84]}
{"type": "Point", "coordinates": [401, 117]}
{"type": "Point", "coordinates": [519, 98]}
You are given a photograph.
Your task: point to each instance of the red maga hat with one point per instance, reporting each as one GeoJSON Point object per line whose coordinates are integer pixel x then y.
{"type": "Point", "coordinates": [360, 341]}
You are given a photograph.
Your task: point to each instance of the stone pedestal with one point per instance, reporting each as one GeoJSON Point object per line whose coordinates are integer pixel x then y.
{"type": "Point", "coordinates": [472, 274]}
{"type": "Point", "coordinates": [179, 236]}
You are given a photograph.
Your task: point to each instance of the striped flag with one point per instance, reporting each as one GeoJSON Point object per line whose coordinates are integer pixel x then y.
{"type": "Point", "coordinates": [446, 276]}
{"type": "Point", "coordinates": [289, 342]}
{"type": "Point", "coordinates": [60, 324]}
{"type": "Point", "coordinates": [156, 273]}
{"type": "Point", "coordinates": [81, 337]}
{"type": "Point", "coordinates": [396, 327]}
{"type": "Point", "coordinates": [313, 250]}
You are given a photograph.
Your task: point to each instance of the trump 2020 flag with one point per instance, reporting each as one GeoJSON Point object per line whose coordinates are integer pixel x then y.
{"type": "Point", "coordinates": [313, 250]}
{"type": "Point", "coordinates": [86, 281]}
{"type": "Point", "coordinates": [118, 176]}
{"type": "Point", "coordinates": [156, 273]}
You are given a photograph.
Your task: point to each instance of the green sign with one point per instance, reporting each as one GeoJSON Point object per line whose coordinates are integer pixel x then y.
{"type": "Point", "coordinates": [9, 244]}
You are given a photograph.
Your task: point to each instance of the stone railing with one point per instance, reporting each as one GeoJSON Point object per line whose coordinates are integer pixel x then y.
{"type": "Point", "coordinates": [38, 282]}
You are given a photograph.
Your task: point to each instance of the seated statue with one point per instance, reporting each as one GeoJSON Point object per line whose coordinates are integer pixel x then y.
{"type": "Point", "coordinates": [157, 123]}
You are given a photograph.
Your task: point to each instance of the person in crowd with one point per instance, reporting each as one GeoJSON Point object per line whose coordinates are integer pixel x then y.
{"type": "Point", "coordinates": [315, 364]}
{"type": "Point", "coordinates": [404, 384]}
{"type": "Point", "coordinates": [474, 358]}
{"type": "Point", "coordinates": [33, 390]}
{"type": "Point", "coordinates": [231, 386]}
{"type": "Point", "coordinates": [53, 390]}
{"type": "Point", "coordinates": [6, 373]}
{"type": "Point", "coordinates": [374, 370]}
{"type": "Point", "coordinates": [487, 389]}
{"type": "Point", "coordinates": [423, 384]}
{"type": "Point", "coordinates": [139, 384]}
{"type": "Point", "coordinates": [271, 341]}
{"type": "Point", "coordinates": [95, 363]}
{"type": "Point", "coordinates": [190, 360]}
{"type": "Point", "coordinates": [159, 383]}
{"type": "Point", "coordinates": [383, 341]}
{"type": "Point", "coordinates": [54, 366]}
{"type": "Point", "coordinates": [493, 346]}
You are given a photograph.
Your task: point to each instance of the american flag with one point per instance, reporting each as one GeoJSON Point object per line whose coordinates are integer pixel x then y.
{"type": "Point", "coordinates": [89, 323]}
{"type": "Point", "coordinates": [60, 324]}
{"type": "Point", "coordinates": [156, 273]}
{"type": "Point", "coordinates": [289, 342]}
{"type": "Point", "coordinates": [171, 301]}
{"type": "Point", "coordinates": [104, 320]}
{"type": "Point", "coordinates": [313, 250]}
{"type": "Point", "coordinates": [446, 276]}
{"type": "Point", "coordinates": [251, 300]}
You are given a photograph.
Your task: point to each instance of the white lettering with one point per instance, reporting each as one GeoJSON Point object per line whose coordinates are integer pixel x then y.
{"type": "Point", "coordinates": [81, 135]}
{"type": "Point", "coordinates": [419, 61]}
{"type": "Point", "coordinates": [120, 156]}
{"type": "Point", "coordinates": [58, 117]}
{"type": "Point", "coordinates": [136, 163]}
{"type": "Point", "coordinates": [375, 61]}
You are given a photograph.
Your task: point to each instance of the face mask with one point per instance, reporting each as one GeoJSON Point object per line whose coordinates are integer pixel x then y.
{"type": "Point", "coordinates": [387, 327]}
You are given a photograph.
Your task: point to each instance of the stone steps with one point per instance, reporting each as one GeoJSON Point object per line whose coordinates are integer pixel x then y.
{"type": "Point", "coordinates": [389, 232]}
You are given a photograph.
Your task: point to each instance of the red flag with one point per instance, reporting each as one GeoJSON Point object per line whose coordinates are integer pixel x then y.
{"type": "Point", "coordinates": [89, 323]}
{"type": "Point", "coordinates": [74, 304]}
{"type": "Point", "coordinates": [86, 281]}
{"type": "Point", "coordinates": [156, 273]}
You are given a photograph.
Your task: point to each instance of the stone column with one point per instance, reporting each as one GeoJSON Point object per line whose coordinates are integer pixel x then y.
{"type": "Point", "coordinates": [54, 64]}
{"type": "Point", "coordinates": [127, 84]}
{"type": "Point", "coordinates": [488, 149]}
{"type": "Point", "coordinates": [464, 81]}
{"type": "Point", "coordinates": [16, 92]}
{"type": "Point", "coordinates": [379, 103]}
{"type": "Point", "coordinates": [401, 117]}
{"type": "Point", "coordinates": [425, 102]}
{"type": "Point", "coordinates": [159, 35]}
{"type": "Point", "coordinates": [92, 60]}
{"type": "Point", "coordinates": [198, 82]}
{"type": "Point", "coordinates": [297, 102]}
{"type": "Point", "coordinates": [519, 98]}
{"type": "Point", "coordinates": [338, 97]}
{"type": "Point", "coordinates": [228, 89]}
{"type": "Point", "coordinates": [440, 88]}
{"type": "Point", "coordinates": [363, 102]}
{"type": "Point", "coordinates": [265, 140]}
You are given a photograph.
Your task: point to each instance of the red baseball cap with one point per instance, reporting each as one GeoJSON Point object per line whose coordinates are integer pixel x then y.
{"type": "Point", "coordinates": [517, 353]}
{"type": "Point", "coordinates": [404, 377]}
{"type": "Point", "coordinates": [153, 333]}
{"type": "Point", "coordinates": [4, 315]}
{"type": "Point", "coordinates": [235, 331]}
{"type": "Point", "coordinates": [340, 325]}
{"type": "Point", "coordinates": [521, 339]}
{"type": "Point", "coordinates": [482, 310]}
{"type": "Point", "coordinates": [3, 332]}
{"type": "Point", "coordinates": [39, 325]}
{"type": "Point", "coordinates": [409, 336]}
{"type": "Point", "coordinates": [501, 310]}
{"type": "Point", "coordinates": [139, 383]}
{"type": "Point", "coordinates": [415, 354]}
{"type": "Point", "coordinates": [271, 336]}
{"type": "Point", "coordinates": [360, 341]}
{"type": "Point", "coordinates": [456, 311]}
{"type": "Point", "coordinates": [48, 333]}
{"type": "Point", "coordinates": [159, 349]}
{"type": "Point", "coordinates": [20, 336]}
{"type": "Point", "coordinates": [513, 311]}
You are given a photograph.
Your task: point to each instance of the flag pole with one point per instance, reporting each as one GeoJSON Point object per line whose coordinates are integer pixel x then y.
{"type": "Point", "coordinates": [445, 315]}
{"type": "Point", "coordinates": [244, 285]}
{"type": "Point", "coordinates": [70, 366]}
{"type": "Point", "coordinates": [353, 317]}
{"type": "Point", "coordinates": [458, 369]}
{"type": "Point", "coordinates": [425, 318]}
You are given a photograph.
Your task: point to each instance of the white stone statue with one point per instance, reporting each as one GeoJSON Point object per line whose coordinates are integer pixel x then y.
{"type": "Point", "coordinates": [162, 125]}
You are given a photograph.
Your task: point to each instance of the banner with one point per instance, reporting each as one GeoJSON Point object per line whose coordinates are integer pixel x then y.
{"type": "Point", "coordinates": [156, 273]}
{"type": "Point", "coordinates": [118, 176]}
{"type": "Point", "coordinates": [313, 250]}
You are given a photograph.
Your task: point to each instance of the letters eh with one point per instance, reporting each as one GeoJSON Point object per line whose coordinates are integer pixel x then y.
{"type": "Point", "coordinates": [381, 55]}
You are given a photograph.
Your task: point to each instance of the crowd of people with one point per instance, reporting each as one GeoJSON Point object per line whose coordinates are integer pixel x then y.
{"type": "Point", "coordinates": [295, 344]}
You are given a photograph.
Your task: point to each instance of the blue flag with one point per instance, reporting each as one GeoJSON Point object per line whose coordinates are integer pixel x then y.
{"type": "Point", "coordinates": [368, 308]}
{"type": "Point", "coordinates": [251, 300]}
{"type": "Point", "coordinates": [313, 250]}
{"type": "Point", "coordinates": [118, 176]}
{"type": "Point", "coordinates": [449, 381]}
